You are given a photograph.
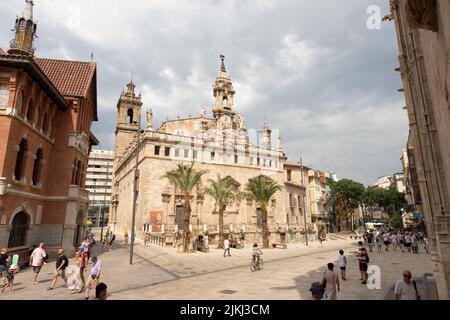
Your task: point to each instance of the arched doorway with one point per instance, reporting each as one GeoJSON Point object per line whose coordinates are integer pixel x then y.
{"type": "Point", "coordinates": [19, 230]}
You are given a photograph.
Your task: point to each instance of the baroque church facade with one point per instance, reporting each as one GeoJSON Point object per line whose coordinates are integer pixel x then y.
{"type": "Point", "coordinates": [219, 145]}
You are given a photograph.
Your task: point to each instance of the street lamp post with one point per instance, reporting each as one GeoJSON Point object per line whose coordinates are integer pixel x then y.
{"type": "Point", "coordinates": [303, 197]}
{"type": "Point", "coordinates": [104, 201]}
{"type": "Point", "coordinates": [135, 191]}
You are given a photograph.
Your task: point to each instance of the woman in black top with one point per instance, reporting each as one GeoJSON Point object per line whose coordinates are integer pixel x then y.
{"type": "Point", "coordinates": [3, 262]}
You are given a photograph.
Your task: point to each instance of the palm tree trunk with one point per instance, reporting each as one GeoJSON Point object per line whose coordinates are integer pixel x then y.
{"type": "Point", "coordinates": [221, 235]}
{"type": "Point", "coordinates": [186, 222]}
{"type": "Point", "coordinates": [265, 231]}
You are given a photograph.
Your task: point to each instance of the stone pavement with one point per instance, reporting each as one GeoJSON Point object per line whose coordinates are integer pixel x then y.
{"type": "Point", "coordinates": [162, 274]}
{"type": "Point", "coordinates": [287, 274]}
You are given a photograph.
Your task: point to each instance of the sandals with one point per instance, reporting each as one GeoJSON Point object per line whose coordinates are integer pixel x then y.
{"type": "Point", "coordinates": [48, 289]}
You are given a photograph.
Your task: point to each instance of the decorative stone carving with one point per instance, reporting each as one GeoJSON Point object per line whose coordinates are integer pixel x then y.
{"type": "Point", "coordinates": [421, 14]}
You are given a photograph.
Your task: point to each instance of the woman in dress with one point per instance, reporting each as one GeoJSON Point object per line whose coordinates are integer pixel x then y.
{"type": "Point", "coordinates": [330, 281]}
{"type": "Point", "coordinates": [74, 281]}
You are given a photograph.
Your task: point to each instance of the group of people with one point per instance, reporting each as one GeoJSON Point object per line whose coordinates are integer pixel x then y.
{"type": "Point", "coordinates": [73, 276]}
{"type": "Point", "coordinates": [328, 288]}
{"type": "Point", "coordinates": [405, 289]}
{"type": "Point", "coordinates": [405, 241]}
{"type": "Point", "coordinates": [108, 239]}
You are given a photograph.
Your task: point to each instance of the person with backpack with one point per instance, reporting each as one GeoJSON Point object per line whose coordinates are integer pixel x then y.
{"type": "Point", "coordinates": [406, 289]}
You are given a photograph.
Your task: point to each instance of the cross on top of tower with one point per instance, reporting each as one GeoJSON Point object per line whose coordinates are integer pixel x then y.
{"type": "Point", "coordinates": [222, 68]}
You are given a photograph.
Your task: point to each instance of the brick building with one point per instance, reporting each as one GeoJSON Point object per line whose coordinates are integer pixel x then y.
{"type": "Point", "coordinates": [46, 111]}
{"type": "Point", "coordinates": [424, 42]}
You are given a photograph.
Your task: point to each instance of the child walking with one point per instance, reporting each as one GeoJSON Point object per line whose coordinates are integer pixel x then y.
{"type": "Point", "coordinates": [10, 277]}
{"type": "Point", "coordinates": [342, 264]}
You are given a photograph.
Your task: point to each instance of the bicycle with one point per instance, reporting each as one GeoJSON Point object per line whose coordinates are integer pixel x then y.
{"type": "Point", "coordinates": [256, 264]}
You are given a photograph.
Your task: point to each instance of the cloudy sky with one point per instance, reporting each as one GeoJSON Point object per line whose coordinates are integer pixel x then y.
{"type": "Point", "coordinates": [311, 68]}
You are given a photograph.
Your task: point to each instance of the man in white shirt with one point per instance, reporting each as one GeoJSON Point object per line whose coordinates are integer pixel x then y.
{"type": "Point", "coordinates": [37, 259]}
{"type": "Point", "coordinates": [406, 289]}
{"type": "Point", "coordinates": [226, 246]}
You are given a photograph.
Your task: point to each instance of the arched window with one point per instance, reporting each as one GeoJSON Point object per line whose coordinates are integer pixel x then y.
{"type": "Point", "coordinates": [30, 111]}
{"type": "Point", "coordinates": [130, 116]}
{"type": "Point", "coordinates": [20, 161]}
{"type": "Point", "coordinates": [225, 102]}
{"type": "Point", "coordinates": [37, 167]}
{"type": "Point", "coordinates": [19, 103]}
{"type": "Point", "coordinates": [18, 234]}
{"type": "Point", "coordinates": [36, 116]}
{"type": "Point", "coordinates": [45, 123]}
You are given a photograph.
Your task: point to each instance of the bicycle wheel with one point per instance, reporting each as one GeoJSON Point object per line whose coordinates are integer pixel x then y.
{"type": "Point", "coordinates": [253, 266]}
{"type": "Point", "coordinates": [261, 264]}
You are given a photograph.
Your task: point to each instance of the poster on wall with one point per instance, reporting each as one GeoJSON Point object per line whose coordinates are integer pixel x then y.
{"type": "Point", "coordinates": [156, 220]}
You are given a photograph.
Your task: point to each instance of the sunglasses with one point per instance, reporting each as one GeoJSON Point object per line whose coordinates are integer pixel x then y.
{"type": "Point", "coordinates": [407, 276]}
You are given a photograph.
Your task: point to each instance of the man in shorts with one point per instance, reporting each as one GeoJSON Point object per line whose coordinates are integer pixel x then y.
{"type": "Point", "coordinates": [37, 260]}
{"type": "Point", "coordinates": [61, 263]}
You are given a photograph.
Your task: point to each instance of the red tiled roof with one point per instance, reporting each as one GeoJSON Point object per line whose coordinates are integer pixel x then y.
{"type": "Point", "coordinates": [71, 78]}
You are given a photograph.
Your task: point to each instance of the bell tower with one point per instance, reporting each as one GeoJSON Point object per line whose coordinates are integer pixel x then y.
{"type": "Point", "coordinates": [128, 119]}
{"type": "Point", "coordinates": [25, 32]}
{"type": "Point", "coordinates": [265, 136]}
{"type": "Point", "coordinates": [223, 93]}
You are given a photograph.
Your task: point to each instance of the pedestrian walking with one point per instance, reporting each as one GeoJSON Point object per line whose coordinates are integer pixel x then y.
{"type": "Point", "coordinates": [37, 260]}
{"type": "Point", "coordinates": [317, 291]}
{"type": "Point", "coordinates": [393, 241]}
{"type": "Point", "coordinates": [370, 240]}
{"type": "Point", "coordinates": [146, 238]}
{"type": "Point", "coordinates": [226, 246]}
{"type": "Point", "coordinates": [73, 273]}
{"type": "Point", "coordinates": [330, 282]}
{"type": "Point", "coordinates": [4, 258]}
{"type": "Point", "coordinates": [408, 242]}
{"type": "Point", "coordinates": [101, 291]}
{"type": "Point", "coordinates": [363, 261]}
{"type": "Point", "coordinates": [426, 245]}
{"type": "Point", "coordinates": [61, 264]}
{"type": "Point", "coordinates": [379, 244]}
{"type": "Point", "coordinates": [111, 241]}
{"type": "Point", "coordinates": [10, 278]}
{"type": "Point", "coordinates": [242, 238]}
{"type": "Point", "coordinates": [125, 236]}
{"type": "Point", "coordinates": [94, 276]}
{"type": "Point", "coordinates": [414, 244]}
{"type": "Point", "coordinates": [386, 239]}
{"type": "Point", "coordinates": [83, 266]}
{"type": "Point", "coordinates": [406, 289]}
{"type": "Point", "coordinates": [342, 264]}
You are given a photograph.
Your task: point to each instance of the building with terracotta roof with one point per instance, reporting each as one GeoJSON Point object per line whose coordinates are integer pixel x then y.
{"type": "Point", "coordinates": [47, 108]}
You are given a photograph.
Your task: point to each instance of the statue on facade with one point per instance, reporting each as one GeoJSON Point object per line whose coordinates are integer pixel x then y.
{"type": "Point", "coordinates": [203, 113]}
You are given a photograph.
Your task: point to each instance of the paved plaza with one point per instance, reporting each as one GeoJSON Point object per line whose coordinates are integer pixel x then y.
{"type": "Point", "coordinates": [163, 274]}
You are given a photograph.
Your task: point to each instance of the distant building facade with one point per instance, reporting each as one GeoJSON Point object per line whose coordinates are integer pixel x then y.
{"type": "Point", "coordinates": [220, 145]}
{"type": "Point", "coordinates": [46, 111]}
{"type": "Point", "coordinates": [98, 183]}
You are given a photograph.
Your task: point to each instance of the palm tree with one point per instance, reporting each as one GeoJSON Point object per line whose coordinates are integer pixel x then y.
{"type": "Point", "coordinates": [222, 191]}
{"type": "Point", "coordinates": [185, 177]}
{"type": "Point", "coordinates": [262, 188]}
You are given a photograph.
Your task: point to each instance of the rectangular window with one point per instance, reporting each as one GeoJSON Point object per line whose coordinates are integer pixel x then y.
{"type": "Point", "coordinates": [186, 153]}
{"type": "Point", "coordinates": [167, 152]}
{"type": "Point", "coordinates": [251, 160]}
{"type": "Point", "coordinates": [236, 159]}
{"type": "Point", "coordinates": [289, 175]}
{"type": "Point", "coordinates": [258, 161]}
{"type": "Point", "coordinates": [213, 156]}
{"type": "Point", "coordinates": [265, 162]}
{"type": "Point", "coordinates": [270, 163]}
{"type": "Point", "coordinates": [298, 198]}
{"type": "Point", "coordinates": [291, 201]}
{"type": "Point", "coordinates": [195, 154]}
{"type": "Point", "coordinates": [177, 152]}
{"type": "Point", "coordinates": [157, 150]}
